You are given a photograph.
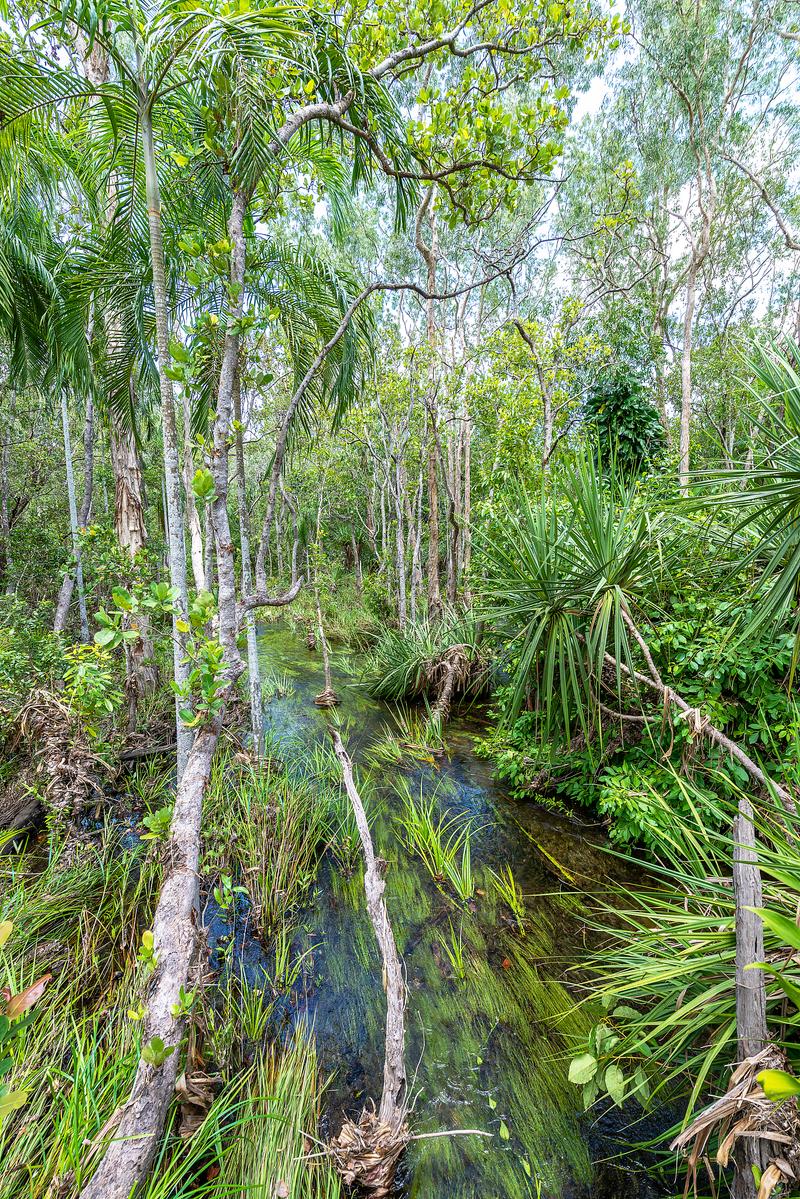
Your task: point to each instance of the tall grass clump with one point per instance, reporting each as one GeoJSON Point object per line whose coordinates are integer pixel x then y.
{"type": "Point", "coordinates": [82, 924]}
{"type": "Point", "coordinates": [274, 827]}
{"type": "Point", "coordinates": [439, 660]}
{"type": "Point", "coordinates": [441, 840]}
{"type": "Point", "coordinates": [283, 1114]}
{"type": "Point", "coordinates": [258, 1138]}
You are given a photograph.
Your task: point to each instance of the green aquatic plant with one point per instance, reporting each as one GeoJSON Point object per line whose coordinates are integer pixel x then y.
{"type": "Point", "coordinates": [276, 685]}
{"type": "Point", "coordinates": [509, 892]}
{"type": "Point", "coordinates": [458, 869]}
{"type": "Point", "coordinates": [442, 841]}
{"type": "Point", "coordinates": [408, 734]}
{"type": "Point", "coordinates": [157, 824]}
{"type": "Point", "coordinates": [225, 892]}
{"type": "Point", "coordinates": [453, 948]}
{"type": "Point", "coordinates": [272, 828]}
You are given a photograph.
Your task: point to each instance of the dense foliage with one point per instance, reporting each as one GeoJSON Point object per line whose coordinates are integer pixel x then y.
{"type": "Point", "coordinates": [461, 336]}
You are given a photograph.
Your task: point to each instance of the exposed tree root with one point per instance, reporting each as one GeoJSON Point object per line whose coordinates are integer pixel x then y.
{"type": "Point", "coordinates": [448, 674]}
{"type": "Point", "coordinates": [742, 1116]}
{"type": "Point", "coordinates": [367, 1153]}
{"type": "Point", "coordinates": [70, 770]}
{"type": "Point", "coordinates": [327, 698]}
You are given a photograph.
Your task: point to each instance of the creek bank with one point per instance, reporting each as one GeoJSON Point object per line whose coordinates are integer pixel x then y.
{"type": "Point", "coordinates": [489, 1043]}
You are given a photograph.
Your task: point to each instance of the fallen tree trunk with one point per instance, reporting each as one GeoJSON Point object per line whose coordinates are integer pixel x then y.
{"type": "Point", "coordinates": [130, 1154]}
{"type": "Point", "coordinates": [367, 1153]}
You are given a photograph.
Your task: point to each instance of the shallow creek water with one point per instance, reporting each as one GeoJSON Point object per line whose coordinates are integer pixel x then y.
{"type": "Point", "coordinates": [487, 1051]}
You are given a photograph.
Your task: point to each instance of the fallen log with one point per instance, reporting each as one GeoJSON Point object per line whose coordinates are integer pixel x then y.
{"type": "Point", "coordinates": [366, 1153]}
{"type": "Point", "coordinates": [146, 751]}
{"type": "Point", "coordinates": [129, 1155]}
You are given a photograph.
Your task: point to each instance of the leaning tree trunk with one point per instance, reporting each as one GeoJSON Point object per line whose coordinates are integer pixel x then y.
{"type": "Point", "coordinates": [172, 474]}
{"type": "Point", "coordinates": [130, 1154]}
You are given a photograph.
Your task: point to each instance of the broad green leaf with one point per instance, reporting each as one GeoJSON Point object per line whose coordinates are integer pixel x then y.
{"type": "Point", "coordinates": [504, 1133]}
{"type": "Point", "coordinates": [582, 1069]}
{"type": "Point", "coordinates": [777, 1085]}
{"type": "Point", "coordinates": [6, 927]}
{"type": "Point", "coordinates": [10, 1102]}
{"type": "Point", "coordinates": [122, 598]}
{"type": "Point", "coordinates": [615, 1083]}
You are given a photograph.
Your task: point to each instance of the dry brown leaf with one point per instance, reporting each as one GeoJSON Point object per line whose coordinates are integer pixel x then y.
{"type": "Point", "coordinates": [195, 1095]}
{"type": "Point", "coordinates": [21, 1002]}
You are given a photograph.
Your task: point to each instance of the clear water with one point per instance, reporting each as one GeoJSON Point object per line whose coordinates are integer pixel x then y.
{"type": "Point", "coordinates": [489, 1051]}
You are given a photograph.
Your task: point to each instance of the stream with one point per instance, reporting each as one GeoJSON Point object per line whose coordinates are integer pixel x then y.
{"type": "Point", "coordinates": [487, 1048]}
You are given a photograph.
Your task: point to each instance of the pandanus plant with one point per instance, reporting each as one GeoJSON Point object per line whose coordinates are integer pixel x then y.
{"type": "Point", "coordinates": [573, 572]}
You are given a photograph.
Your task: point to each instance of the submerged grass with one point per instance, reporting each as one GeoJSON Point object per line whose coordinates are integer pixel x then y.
{"type": "Point", "coordinates": [442, 841]}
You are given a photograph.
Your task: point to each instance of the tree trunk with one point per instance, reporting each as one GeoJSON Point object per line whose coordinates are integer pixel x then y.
{"type": "Point", "coordinates": [547, 422]}
{"type": "Point", "coordinates": [65, 593]}
{"type": "Point", "coordinates": [434, 589]}
{"type": "Point", "coordinates": [399, 489]}
{"type": "Point", "coordinates": [5, 524]}
{"type": "Point", "coordinates": [131, 1153]}
{"type": "Point", "coordinates": [172, 473]}
{"type": "Point", "coordinates": [429, 254]}
{"type": "Point", "coordinates": [686, 378]}
{"type": "Point", "coordinates": [370, 522]}
{"type": "Point", "coordinates": [466, 562]}
{"type": "Point", "coordinates": [253, 668]}
{"type": "Point", "coordinates": [292, 506]}
{"type": "Point", "coordinates": [128, 493]}
{"type": "Point", "coordinates": [68, 582]}
{"type": "Point", "coordinates": [392, 1110]}
{"type": "Point", "coordinates": [751, 1011]}
{"type": "Point", "coordinates": [357, 564]}
{"type": "Point", "coordinates": [192, 514]}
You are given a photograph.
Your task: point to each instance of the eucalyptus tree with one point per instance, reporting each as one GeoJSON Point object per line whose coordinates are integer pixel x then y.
{"type": "Point", "coordinates": [708, 62]}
